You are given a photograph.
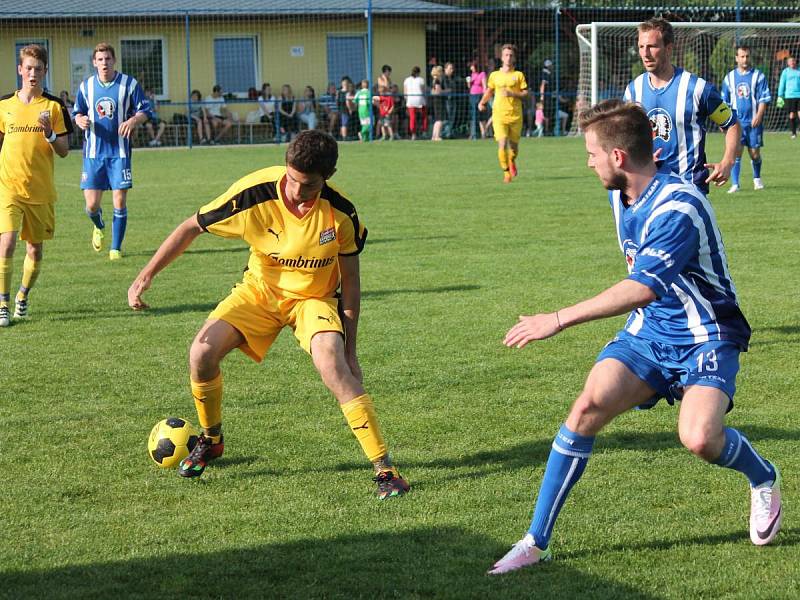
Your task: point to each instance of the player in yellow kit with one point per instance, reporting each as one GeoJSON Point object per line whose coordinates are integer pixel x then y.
{"type": "Point", "coordinates": [33, 126]}
{"type": "Point", "coordinates": [510, 90]}
{"type": "Point", "coordinates": [305, 238]}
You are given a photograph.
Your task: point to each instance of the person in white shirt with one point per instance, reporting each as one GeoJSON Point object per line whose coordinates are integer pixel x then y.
{"type": "Point", "coordinates": [414, 91]}
{"type": "Point", "coordinates": [218, 114]}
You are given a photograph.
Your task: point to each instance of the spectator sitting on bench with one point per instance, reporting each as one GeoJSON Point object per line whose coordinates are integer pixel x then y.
{"type": "Point", "coordinates": [155, 126]}
{"type": "Point", "coordinates": [218, 114]}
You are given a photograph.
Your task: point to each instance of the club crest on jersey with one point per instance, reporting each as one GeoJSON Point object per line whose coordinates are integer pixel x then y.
{"type": "Point", "coordinates": [660, 123]}
{"type": "Point", "coordinates": [743, 90]}
{"type": "Point", "coordinates": [327, 236]}
{"type": "Point", "coordinates": [105, 107]}
{"type": "Point", "coordinates": [629, 249]}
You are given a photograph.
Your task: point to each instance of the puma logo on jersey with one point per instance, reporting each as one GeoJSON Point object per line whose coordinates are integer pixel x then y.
{"type": "Point", "coordinates": [321, 318]}
{"type": "Point", "coordinates": [276, 234]}
{"type": "Point", "coordinates": [234, 208]}
{"type": "Point", "coordinates": [364, 426]}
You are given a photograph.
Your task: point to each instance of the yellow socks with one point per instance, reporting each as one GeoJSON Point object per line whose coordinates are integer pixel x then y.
{"type": "Point", "coordinates": [502, 157]}
{"type": "Point", "coordinates": [5, 278]}
{"type": "Point", "coordinates": [512, 155]}
{"type": "Point", "coordinates": [30, 273]}
{"type": "Point", "coordinates": [360, 415]}
{"type": "Point", "coordinates": [208, 402]}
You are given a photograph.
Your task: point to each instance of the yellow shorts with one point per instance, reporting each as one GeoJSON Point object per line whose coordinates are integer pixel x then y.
{"type": "Point", "coordinates": [510, 131]}
{"type": "Point", "coordinates": [38, 221]}
{"type": "Point", "coordinates": [260, 314]}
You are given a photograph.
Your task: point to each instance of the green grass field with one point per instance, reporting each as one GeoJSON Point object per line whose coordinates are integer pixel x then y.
{"type": "Point", "coordinates": [453, 257]}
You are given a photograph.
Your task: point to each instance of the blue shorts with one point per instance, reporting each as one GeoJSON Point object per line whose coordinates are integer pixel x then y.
{"type": "Point", "coordinates": [106, 174]}
{"type": "Point", "coordinates": [752, 137]}
{"type": "Point", "coordinates": [668, 369]}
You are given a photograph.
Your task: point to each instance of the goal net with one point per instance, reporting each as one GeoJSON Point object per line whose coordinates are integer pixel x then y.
{"type": "Point", "coordinates": [609, 56]}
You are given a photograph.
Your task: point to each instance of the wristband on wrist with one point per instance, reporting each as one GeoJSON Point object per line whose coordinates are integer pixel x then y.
{"type": "Point", "coordinates": [52, 137]}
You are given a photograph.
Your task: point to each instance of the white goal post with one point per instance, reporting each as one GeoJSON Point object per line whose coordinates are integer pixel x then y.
{"type": "Point", "coordinates": [609, 56]}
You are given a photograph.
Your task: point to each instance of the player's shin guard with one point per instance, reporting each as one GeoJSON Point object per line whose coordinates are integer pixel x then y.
{"type": "Point", "coordinates": [757, 169]}
{"type": "Point", "coordinates": [502, 157]}
{"type": "Point", "coordinates": [118, 225]}
{"type": "Point", "coordinates": [5, 278]}
{"type": "Point", "coordinates": [736, 170]}
{"type": "Point", "coordinates": [30, 273]}
{"type": "Point", "coordinates": [739, 455]}
{"type": "Point", "coordinates": [208, 402]}
{"type": "Point", "coordinates": [567, 461]}
{"type": "Point", "coordinates": [97, 218]}
{"type": "Point", "coordinates": [360, 415]}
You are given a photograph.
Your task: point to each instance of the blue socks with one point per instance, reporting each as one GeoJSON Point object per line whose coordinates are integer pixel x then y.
{"type": "Point", "coordinates": [738, 454]}
{"type": "Point", "coordinates": [97, 218]}
{"type": "Point", "coordinates": [757, 169]}
{"type": "Point", "coordinates": [118, 224]}
{"type": "Point", "coordinates": [737, 167]}
{"type": "Point", "coordinates": [566, 464]}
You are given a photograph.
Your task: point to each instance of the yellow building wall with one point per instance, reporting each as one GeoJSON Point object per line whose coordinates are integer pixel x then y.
{"type": "Point", "coordinates": [399, 42]}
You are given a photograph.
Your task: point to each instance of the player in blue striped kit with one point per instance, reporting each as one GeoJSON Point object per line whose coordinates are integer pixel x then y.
{"type": "Point", "coordinates": [108, 107]}
{"type": "Point", "coordinates": [682, 339]}
{"type": "Point", "coordinates": [678, 104]}
{"type": "Point", "coordinates": [747, 92]}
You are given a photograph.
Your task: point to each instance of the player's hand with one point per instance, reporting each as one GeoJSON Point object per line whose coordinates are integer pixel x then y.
{"type": "Point", "coordinates": [126, 127]}
{"type": "Point", "coordinates": [756, 122]}
{"type": "Point", "coordinates": [481, 107]}
{"type": "Point", "coordinates": [780, 102]}
{"type": "Point", "coordinates": [138, 287]}
{"type": "Point", "coordinates": [82, 121]}
{"type": "Point", "coordinates": [44, 121]}
{"type": "Point", "coordinates": [528, 329]}
{"type": "Point", "coordinates": [720, 173]}
{"type": "Point", "coordinates": [507, 92]}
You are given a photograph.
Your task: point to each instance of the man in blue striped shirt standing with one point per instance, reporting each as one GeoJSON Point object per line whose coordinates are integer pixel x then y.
{"type": "Point", "coordinates": [108, 107]}
{"type": "Point", "coordinates": [678, 104]}
{"type": "Point", "coordinates": [747, 92]}
{"type": "Point", "coordinates": [682, 339]}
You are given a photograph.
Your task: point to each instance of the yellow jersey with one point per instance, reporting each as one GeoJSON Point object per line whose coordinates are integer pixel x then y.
{"type": "Point", "coordinates": [26, 158]}
{"type": "Point", "coordinates": [295, 257]}
{"type": "Point", "coordinates": [506, 108]}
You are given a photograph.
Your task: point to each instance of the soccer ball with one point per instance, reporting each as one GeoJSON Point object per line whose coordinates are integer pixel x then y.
{"type": "Point", "coordinates": [170, 441]}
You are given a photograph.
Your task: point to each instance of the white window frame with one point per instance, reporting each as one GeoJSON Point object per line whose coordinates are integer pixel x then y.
{"type": "Point", "coordinates": [256, 62]}
{"type": "Point", "coordinates": [45, 42]}
{"type": "Point", "coordinates": [164, 61]}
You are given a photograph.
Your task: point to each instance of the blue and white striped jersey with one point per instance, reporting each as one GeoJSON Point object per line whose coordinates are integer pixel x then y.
{"type": "Point", "coordinates": [744, 92]}
{"type": "Point", "coordinates": [678, 114]}
{"type": "Point", "coordinates": [672, 244]}
{"type": "Point", "coordinates": [107, 106]}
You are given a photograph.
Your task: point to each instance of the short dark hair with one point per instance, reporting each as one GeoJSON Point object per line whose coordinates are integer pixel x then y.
{"type": "Point", "coordinates": [511, 47]}
{"type": "Point", "coordinates": [217, 88]}
{"type": "Point", "coordinates": [313, 151]}
{"type": "Point", "coordinates": [415, 71]}
{"type": "Point", "coordinates": [662, 26]}
{"type": "Point", "coordinates": [34, 51]}
{"type": "Point", "coordinates": [385, 68]}
{"type": "Point", "coordinates": [742, 47]}
{"type": "Point", "coordinates": [622, 125]}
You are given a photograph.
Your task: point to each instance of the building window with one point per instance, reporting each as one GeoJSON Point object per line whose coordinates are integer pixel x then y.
{"type": "Point", "coordinates": [347, 55]}
{"type": "Point", "coordinates": [144, 59]}
{"type": "Point", "coordinates": [236, 64]}
{"type": "Point", "coordinates": [19, 45]}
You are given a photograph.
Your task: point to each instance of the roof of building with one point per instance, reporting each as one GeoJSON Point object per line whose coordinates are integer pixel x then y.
{"type": "Point", "coordinates": [160, 8]}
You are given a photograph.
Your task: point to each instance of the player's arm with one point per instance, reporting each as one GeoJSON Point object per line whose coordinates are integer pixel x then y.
{"type": "Point", "coordinates": [349, 268]}
{"type": "Point", "coordinates": [487, 95]}
{"type": "Point", "coordinates": [725, 117]}
{"type": "Point", "coordinates": [144, 111]}
{"type": "Point", "coordinates": [619, 299]}
{"type": "Point", "coordinates": [60, 143]}
{"type": "Point", "coordinates": [171, 248]}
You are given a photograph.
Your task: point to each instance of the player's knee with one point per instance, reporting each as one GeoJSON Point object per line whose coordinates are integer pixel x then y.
{"type": "Point", "coordinates": [203, 359]}
{"type": "Point", "coordinates": [699, 442]}
{"type": "Point", "coordinates": [587, 415]}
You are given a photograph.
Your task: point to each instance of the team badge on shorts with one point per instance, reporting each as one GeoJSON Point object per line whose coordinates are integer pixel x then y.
{"type": "Point", "coordinates": [327, 236]}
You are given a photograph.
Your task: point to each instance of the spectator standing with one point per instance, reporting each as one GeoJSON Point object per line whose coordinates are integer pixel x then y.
{"type": "Point", "coordinates": [437, 102]}
{"type": "Point", "coordinates": [476, 80]}
{"type": "Point", "coordinates": [448, 89]}
{"type": "Point", "coordinates": [363, 103]}
{"type": "Point", "coordinates": [414, 91]}
{"type": "Point", "coordinates": [385, 110]}
{"type": "Point", "coordinates": [385, 78]}
{"type": "Point", "coordinates": [398, 113]}
{"type": "Point", "coordinates": [545, 79]}
{"type": "Point", "coordinates": [539, 120]}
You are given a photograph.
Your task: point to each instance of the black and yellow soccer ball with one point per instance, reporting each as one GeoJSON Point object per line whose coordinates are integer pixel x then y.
{"type": "Point", "coordinates": [170, 441]}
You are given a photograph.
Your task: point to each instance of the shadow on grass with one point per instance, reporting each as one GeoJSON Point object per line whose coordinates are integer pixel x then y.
{"type": "Point", "coordinates": [433, 290]}
{"type": "Point", "coordinates": [411, 238]}
{"type": "Point", "coordinates": [430, 562]}
{"type": "Point", "coordinates": [226, 249]}
{"type": "Point", "coordinates": [124, 311]}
